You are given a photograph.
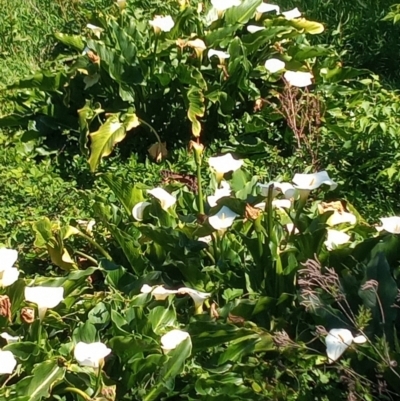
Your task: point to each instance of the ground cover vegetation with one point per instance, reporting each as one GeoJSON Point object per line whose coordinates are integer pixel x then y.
{"type": "Point", "coordinates": [200, 198]}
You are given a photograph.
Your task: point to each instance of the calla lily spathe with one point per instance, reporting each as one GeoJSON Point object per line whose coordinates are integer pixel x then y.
{"type": "Point", "coordinates": [159, 292]}
{"type": "Point", "coordinates": [7, 362]}
{"type": "Point", "coordinates": [8, 273]}
{"type": "Point", "coordinates": [341, 218]}
{"type": "Point", "coordinates": [197, 296]}
{"type": "Point", "coordinates": [165, 198]}
{"type": "Point", "coordinates": [338, 340]}
{"type": "Point", "coordinates": [285, 188]}
{"type": "Point", "coordinates": [292, 14]}
{"type": "Point", "coordinates": [220, 54]}
{"type": "Point", "coordinates": [254, 28]}
{"type": "Point", "coordinates": [92, 354]}
{"type": "Point", "coordinates": [276, 203]}
{"type": "Point", "coordinates": [223, 219]}
{"type": "Point", "coordinates": [390, 224]}
{"type": "Point", "coordinates": [172, 339]}
{"type": "Point", "coordinates": [224, 164]}
{"type": "Point", "coordinates": [299, 79]}
{"type": "Point", "coordinates": [222, 5]}
{"type": "Point", "coordinates": [160, 23]}
{"type": "Point", "coordinates": [336, 238]}
{"type": "Point", "coordinates": [222, 192]}
{"type": "Point", "coordinates": [274, 65]}
{"type": "Point", "coordinates": [266, 8]}
{"type": "Point", "coordinates": [305, 183]}
{"type": "Point", "coordinates": [97, 31]}
{"type": "Point", "coordinates": [138, 210]}
{"type": "Point", "coordinates": [44, 297]}
{"type": "Point", "coordinates": [10, 339]}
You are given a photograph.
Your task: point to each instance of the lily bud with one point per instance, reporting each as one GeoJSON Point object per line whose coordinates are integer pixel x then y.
{"type": "Point", "coordinates": [198, 149]}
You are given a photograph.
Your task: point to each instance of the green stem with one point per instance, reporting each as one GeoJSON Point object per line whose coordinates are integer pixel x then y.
{"type": "Point", "coordinates": [93, 260]}
{"type": "Point", "coordinates": [200, 190]}
{"type": "Point", "coordinates": [210, 256]}
{"type": "Point", "coordinates": [99, 381]}
{"type": "Point", "coordinates": [96, 245]}
{"type": "Point", "coordinates": [151, 129]}
{"type": "Point", "coordinates": [77, 391]}
{"type": "Point", "coordinates": [153, 65]}
{"type": "Point", "coordinates": [269, 211]}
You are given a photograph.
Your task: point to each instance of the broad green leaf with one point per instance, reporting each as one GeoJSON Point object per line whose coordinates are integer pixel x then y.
{"type": "Point", "coordinates": [161, 318]}
{"type": "Point", "coordinates": [38, 386]}
{"type": "Point", "coordinates": [196, 109]}
{"type": "Point", "coordinates": [242, 13]}
{"type": "Point", "coordinates": [104, 140]}
{"type": "Point", "coordinates": [74, 41]}
{"type": "Point", "coordinates": [310, 27]}
{"type": "Point", "coordinates": [85, 332]}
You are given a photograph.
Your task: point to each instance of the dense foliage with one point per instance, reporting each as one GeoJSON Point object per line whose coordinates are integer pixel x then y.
{"type": "Point", "coordinates": [209, 268]}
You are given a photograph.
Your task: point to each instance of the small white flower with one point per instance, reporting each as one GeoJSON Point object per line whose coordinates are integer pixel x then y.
{"type": "Point", "coordinates": [90, 354]}
{"type": "Point", "coordinates": [222, 192]}
{"type": "Point", "coordinates": [285, 188]}
{"type": "Point", "coordinates": [172, 339]}
{"type": "Point", "coordinates": [158, 292]}
{"type": "Point", "coordinates": [266, 8]}
{"type": "Point", "coordinates": [165, 198]}
{"type": "Point", "coordinates": [274, 65]}
{"type": "Point", "coordinates": [313, 181]}
{"type": "Point", "coordinates": [207, 239]}
{"type": "Point", "coordinates": [390, 224]}
{"type": "Point", "coordinates": [197, 296]}
{"type": "Point", "coordinates": [223, 219]}
{"type": "Point", "coordinates": [224, 164]}
{"type": "Point", "coordinates": [298, 78]}
{"type": "Point", "coordinates": [336, 238]}
{"type": "Point", "coordinates": [138, 210]}
{"type": "Point", "coordinates": [254, 28]}
{"type": "Point", "coordinates": [8, 273]}
{"type": "Point", "coordinates": [10, 339]}
{"type": "Point", "coordinates": [7, 362]}
{"type": "Point", "coordinates": [164, 24]}
{"type": "Point", "coordinates": [338, 340]}
{"type": "Point", "coordinates": [97, 31]}
{"type": "Point", "coordinates": [222, 5]}
{"type": "Point", "coordinates": [220, 54]}
{"type": "Point", "coordinates": [292, 14]}
{"type": "Point", "coordinates": [341, 218]}
{"type": "Point", "coordinates": [44, 297]}
{"type": "Point", "coordinates": [197, 44]}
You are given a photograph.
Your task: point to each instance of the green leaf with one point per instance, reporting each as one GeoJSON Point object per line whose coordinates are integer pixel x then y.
{"type": "Point", "coordinates": [45, 376]}
{"type": "Point", "coordinates": [196, 108]}
{"type": "Point", "coordinates": [74, 41]}
{"type": "Point", "coordinates": [310, 27]}
{"type": "Point", "coordinates": [104, 140]}
{"type": "Point", "coordinates": [161, 317]}
{"type": "Point", "coordinates": [242, 13]}
{"type": "Point", "coordinates": [85, 332]}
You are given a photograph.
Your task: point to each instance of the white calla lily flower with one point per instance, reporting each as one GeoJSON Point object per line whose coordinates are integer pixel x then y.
{"type": "Point", "coordinates": [7, 362]}
{"type": "Point", "coordinates": [305, 183]}
{"type": "Point", "coordinates": [160, 23]}
{"type": "Point", "coordinates": [97, 31]}
{"type": "Point", "coordinates": [222, 192]}
{"type": "Point", "coordinates": [222, 5]}
{"type": "Point", "coordinates": [223, 219]}
{"type": "Point", "coordinates": [336, 238]}
{"type": "Point", "coordinates": [138, 210]}
{"type": "Point", "coordinates": [8, 273]}
{"type": "Point", "coordinates": [165, 198]}
{"type": "Point", "coordinates": [254, 28]}
{"type": "Point", "coordinates": [197, 296]}
{"type": "Point", "coordinates": [341, 218]}
{"type": "Point", "coordinates": [159, 292]}
{"type": "Point", "coordinates": [338, 340]}
{"type": "Point", "coordinates": [299, 79]}
{"type": "Point", "coordinates": [220, 54]}
{"type": "Point", "coordinates": [91, 355]}
{"type": "Point", "coordinates": [44, 297]}
{"type": "Point", "coordinates": [207, 239]}
{"type": "Point", "coordinates": [224, 164]}
{"type": "Point", "coordinates": [197, 44]}
{"type": "Point", "coordinates": [292, 14]}
{"type": "Point", "coordinates": [285, 188]}
{"type": "Point", "coordinates": [274, 65]}
{"type": "Point", "coordinates": [10, 339]}
{"type": "Point", "coordinates": [290, 227]}
{"type": "Point", "coordinates": [172, 339]}
{"type": "Point", "coordinates": [266, 8]}
{"type": "Point", "coordinates": [390, 224]}
{"type": "Point", "coordinates": [276, 203]}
